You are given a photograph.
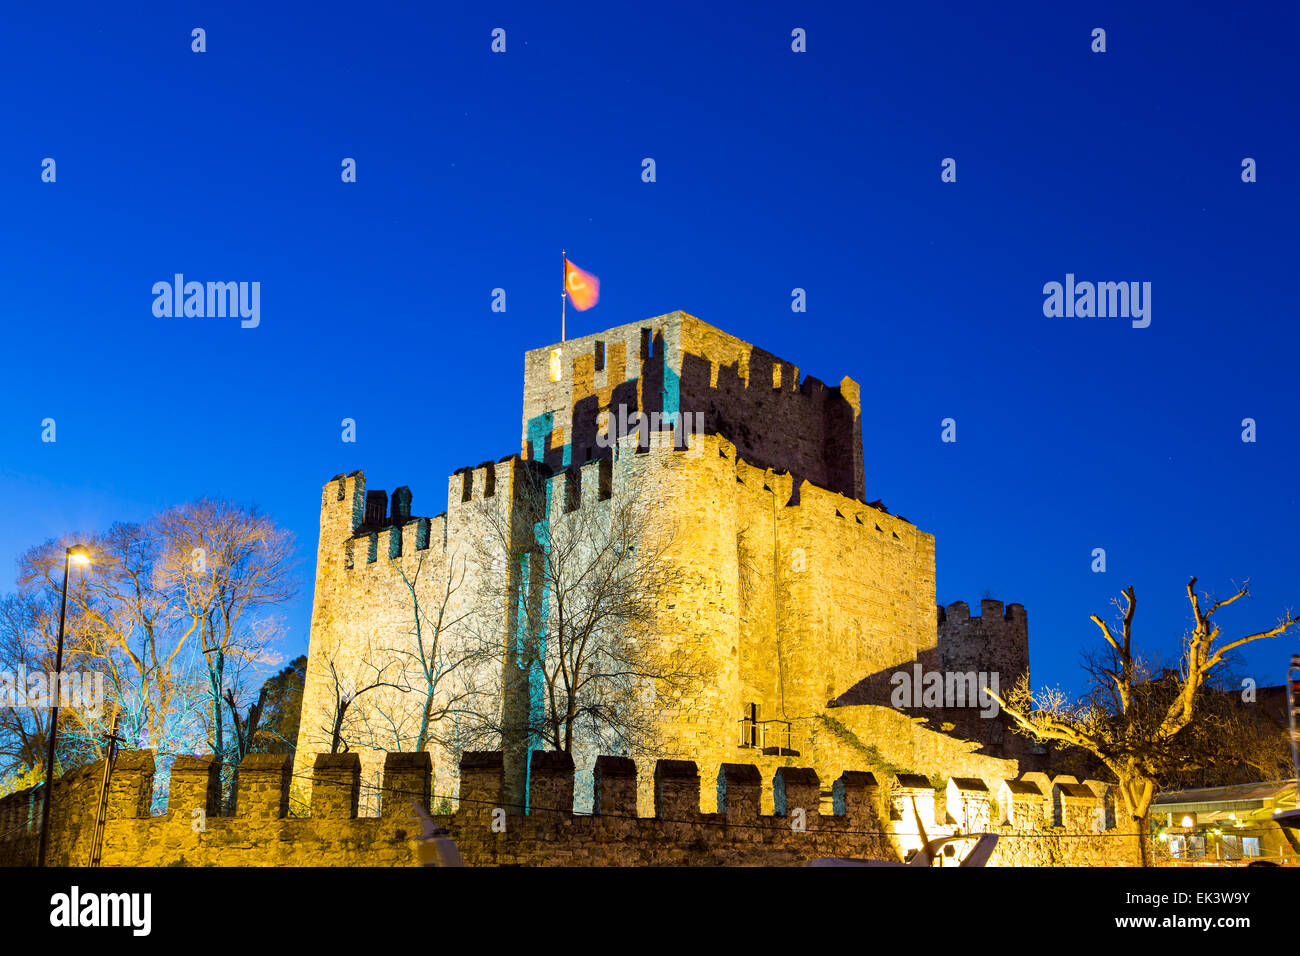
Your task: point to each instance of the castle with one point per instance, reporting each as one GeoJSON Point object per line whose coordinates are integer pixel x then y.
{"type": "Point", "coordinates": [804, 599]}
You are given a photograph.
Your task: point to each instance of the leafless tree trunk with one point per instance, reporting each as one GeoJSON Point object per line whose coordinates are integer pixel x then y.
{"type": "Point", "coordinates": [347, 688]}
{"type": "Point", "coordinates": [245, 732]}
{"type": "Point", "coordinates": [1142, 725]}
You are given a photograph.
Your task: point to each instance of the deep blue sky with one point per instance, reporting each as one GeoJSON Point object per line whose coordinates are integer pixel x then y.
{"type": "Point", "coordinates": [775, 170]}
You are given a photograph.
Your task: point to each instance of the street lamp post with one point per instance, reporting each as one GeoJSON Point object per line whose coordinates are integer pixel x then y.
{"type": "Point", "coordinates": [78, 554]}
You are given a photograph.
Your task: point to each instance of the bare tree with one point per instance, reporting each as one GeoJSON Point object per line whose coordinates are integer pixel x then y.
{"type": "Point", "coordinates": [28, 625]}
{"type": "Point", "coordinates": [221, 564]}
{"type": "Point", "coordinates": [581, 588]}
{"type": "Point", "coordinates": [171, 612]}
{"type": "Point", "coordinates": [360, 673]}
{"type": "Point", "coordinates": [245, 728]}
{"type": "Point", "coordinates": [436, 653]}
{"type": "Point", "coordinates": [416, 681]}
{"type": "Point", "coordinates": [122, 622]}
{"type": "Point", "coordinates": [1142, 724]}
{"type": "Point", "coordinates": [1233, 739]}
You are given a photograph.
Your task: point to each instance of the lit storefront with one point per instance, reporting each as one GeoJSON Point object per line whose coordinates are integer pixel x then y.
{"type": "Point", "coordinates": [1229, 826]}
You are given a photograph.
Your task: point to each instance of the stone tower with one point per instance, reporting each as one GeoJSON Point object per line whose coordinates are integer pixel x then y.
{"type": "Point", "coordinates": [787, 581]}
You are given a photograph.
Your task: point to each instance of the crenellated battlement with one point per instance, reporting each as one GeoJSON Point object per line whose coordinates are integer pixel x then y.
{"type": "Point", "coordinates": [486, 480]}
{"type": "Point", "coordinates": [666, 348]}
{"type": "Point", "coordinates": [577, 392]}
{"type": "Point", "coordinates": [1040, 820]}
{"type": "Point", "coordinates": [370, 525]}
{"type": "Point", "coordinates": [959, 611]}
{"type": "Point", "coordinates": [995, 640]}
{"type": "Point", "coordinates": [789, 587]}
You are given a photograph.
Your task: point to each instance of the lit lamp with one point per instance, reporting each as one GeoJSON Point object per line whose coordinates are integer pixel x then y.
{"type": "Point", "coordinates": [1188, 822]}
{"type": "Point", "coordinates": [77, 554]}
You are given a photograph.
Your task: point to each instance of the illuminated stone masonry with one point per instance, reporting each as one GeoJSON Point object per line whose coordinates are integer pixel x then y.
{"type": "Point", "coordinates": [1040, 821]}
{"type": "Point", "coordinates": [805, 598]}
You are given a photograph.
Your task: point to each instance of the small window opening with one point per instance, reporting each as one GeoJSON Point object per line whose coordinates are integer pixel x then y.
{"type": "Point", "coordinates": [572, 489]}
{"type": "Point", "coordinates": [606, 478]}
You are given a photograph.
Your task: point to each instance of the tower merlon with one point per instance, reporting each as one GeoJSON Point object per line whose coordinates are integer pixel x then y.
{"type": "Point", "coordinates": [342, 504]}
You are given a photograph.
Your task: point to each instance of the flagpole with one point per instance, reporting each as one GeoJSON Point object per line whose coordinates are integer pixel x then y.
{"type": "Point", "coordinates": [563, 291]}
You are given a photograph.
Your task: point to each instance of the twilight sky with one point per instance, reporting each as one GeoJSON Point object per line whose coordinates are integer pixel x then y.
{"type": "Point", "coordinates": [775, 170]}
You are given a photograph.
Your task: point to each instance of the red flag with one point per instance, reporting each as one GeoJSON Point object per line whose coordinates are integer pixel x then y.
{"type": "Point", "coordinates": [583, 287]}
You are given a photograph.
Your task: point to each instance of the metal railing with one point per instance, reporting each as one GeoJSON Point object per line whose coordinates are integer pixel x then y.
{"type": "Point", "coordinates": [765, 735]}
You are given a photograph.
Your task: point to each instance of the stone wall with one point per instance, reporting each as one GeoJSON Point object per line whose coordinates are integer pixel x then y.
{"type": "Point", "coordinates": [971, 652]}
{"type": "Point", "coordinates": [72, 813]}
{"type": "Point", "coordinates": [1041, 822]}
{"type": "Point", "coordinates": [374, 561]}
{"type": "Point", "coordinates": [789, 587]}
{"type": "Point", "coordinates": [790, 598]}
{"type": "Point", "coordinates": [794, 593]}
{"type": "Point", "coordinates": [676, 363]}
{"type": "Point", "coordinates": [997, 639]}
